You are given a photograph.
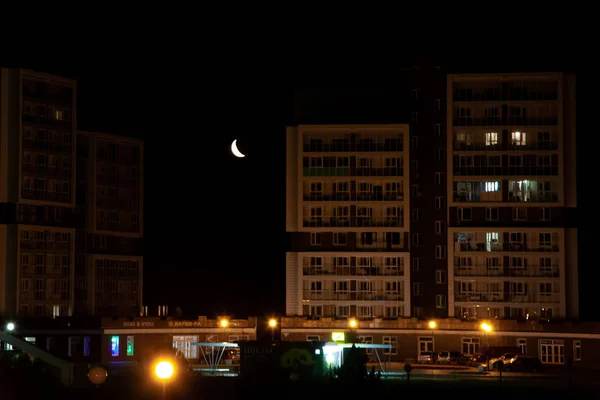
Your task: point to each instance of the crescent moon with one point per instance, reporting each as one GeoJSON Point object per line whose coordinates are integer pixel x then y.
{"type": "Point", "coordinates": [235, 150]}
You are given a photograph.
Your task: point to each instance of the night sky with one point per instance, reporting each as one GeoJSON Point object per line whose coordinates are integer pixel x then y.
{"type": "Point", "coordinates": [215, 236]}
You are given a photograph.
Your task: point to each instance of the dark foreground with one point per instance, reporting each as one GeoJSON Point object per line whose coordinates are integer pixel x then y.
{"type": "Point", "coordinates": [231, 388]}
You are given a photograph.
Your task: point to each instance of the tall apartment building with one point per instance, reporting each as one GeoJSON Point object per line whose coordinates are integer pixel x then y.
{"type": "Point", "coordinates": [37, 193]}
{"type": "Point", "coordinates": [348, 212]}
{"type": "Point", "coordinates": [511, 190]}
{"type": "Point", "coordinates": [109, 262]}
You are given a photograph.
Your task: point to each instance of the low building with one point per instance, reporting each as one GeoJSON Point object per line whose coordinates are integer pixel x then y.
{"type": "Point", "coordinates": [554, 343]}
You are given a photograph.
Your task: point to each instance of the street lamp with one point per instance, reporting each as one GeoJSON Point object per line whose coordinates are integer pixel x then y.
{"type": "Point", "coordinates": [164, 371]}
{"type": "Point", "coordinates": [432, 325]}
{"type": "Point", "coordinates": [486, 328]}
{"type": "Point", "coordinates": [352, 323]}
{"type": "Point", "coordinates": [224, 323]}
{"type": "Point", "coordinates": [272, 325]}
{"type": "Point", "coordinates": [10, 327]}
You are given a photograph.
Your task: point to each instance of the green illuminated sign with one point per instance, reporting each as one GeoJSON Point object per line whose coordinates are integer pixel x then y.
{"type": "Point", "coordinates": [130, 347]}
{"type": "Point", "coordinates": [338, 337]}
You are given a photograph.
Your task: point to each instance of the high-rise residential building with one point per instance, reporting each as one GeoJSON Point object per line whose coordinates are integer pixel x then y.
{"type": "Point", "coordinates": [37, 193]}
{"type": "Point", "coordinates": [511, 196]}
{"type": "Point", "coordinates": [109, 263]}
{"type": "Point", "coordinates": [348, 214]}
{"type": "Point", "coordinates": [505, 142]}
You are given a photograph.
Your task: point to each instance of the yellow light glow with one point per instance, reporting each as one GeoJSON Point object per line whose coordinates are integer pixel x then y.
{"type": "Point", "coordinates": [432, 324]}
{"type": "Point", "coordinates": [485, 327]}
{"type": "Point", "coordinates": [224, 323]}
{"type": "Point", "coordinates": [272, 322]}
{"type": "Point", "coordinates": [352, 323]}
{"type": "Point", "coordinates": [164, 370]}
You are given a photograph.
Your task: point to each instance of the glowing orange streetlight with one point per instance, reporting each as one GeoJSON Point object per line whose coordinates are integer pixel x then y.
{"type": "Point", "coordinates": [224, 323]}
{"type": "Point", "coordinates": [272, 325]}
{"type": "Point", "coordinates": [353, 323]}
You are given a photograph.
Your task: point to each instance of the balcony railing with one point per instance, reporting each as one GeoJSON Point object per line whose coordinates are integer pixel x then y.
{"type": "Point", "coordinates": [503, 247]}
{"type": "Point", "coordinates": [506, 121]}
{"type": "Point", "coordinates": [354, 222]}
{"type": "Point", "coordinates": [352, 147]}
{"type": "Point", "coordinates": [505, 171]}
{"type": "Point", "coordinates": [347, 296]}
{"type": "Point", "coordinates": [353, 197]}
{"type": "Point", "coordinates": [497, 95]}
{"type": "Point", "coordinates": [482, 197]}
{"type": "Point", "coordinates": [501, 297]}
{"type": "Point", "coordinates": [353, 271]}
{"type": "Point", "coordinates": [482, 146]}
{"type": "Point", "coordinates": [501, 271]}
{"type": "Point", "coordinates": [333, 171]}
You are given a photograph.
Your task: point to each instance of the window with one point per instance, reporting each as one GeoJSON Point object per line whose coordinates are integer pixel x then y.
{"type": "Point", "coordinates": [130, 346]}
{"type": "Point", "coordinates": [391, 340]}
{"type": "Point", "coordinates": [440, 227]}
{"type": "Point", "coordinates": [519, 138]}
{"type": "Point", "coordinates": [313, 338]}
{"type": "Point", "coordinates": [416, 190]}
{"type": "Point", "coordinates": [340, 239]}
{"type": "Point", "coordinates": [519, 214]}
{"type": "Point", "coordinates": [544, 214]}
{"type": "Point", "coordinates": [470, 346]}
{"type": "Point", "coordinates": [491, 214]}
{"type": "Point", "coordinates": [464, 213]}
{"type": "Point", "coordinates": [440, 203]}
{"type": "Point", "coordinates": [114, 346]}
{"type": "Point", "coordinates": [576, 350]}
{"type": "Point", "coordinates": [440, 178]}
{"type": "Point", "coordinates": [414, 142]}
{"type": "Point", "coordinates": [415, 93]}
{"type": "Point", "coordinates": [440, 301]}
{"type": "Point", "coordinates": [74, 343]}
{"type": "Point", "coordinates": [416, 288]}
{"type": "Point", "coordinates": [440, 276]}
{"type": "Point", "coordinates": [417, 214]}
{"type": "Point", "coordinates": [491, 138]}
{"type": "Point", "coordinates": [425, 344]}
{"type": "Point", "coordinates": [315, 239]}
{"type": "Point", "coordinates": [438, 104]}
{"type": "Point", "coordinates": [440, 252]}
{"type": "Point", "coordinates": [416, 239]}
{"type": "Point", "coordinates": [417, 311]}
{"type": "Point", "coordinates": [522, 345]}
{"type": "Point", "coordinates": [440, 154]}
{"type": "Point", "coordinates": [416, 263]}
{"type": "Point", "coordinates": [414, 117]}
{"type": "Point", "coordinates": [440, 130]}
{"type": "Point", "coordinates": [552, 351]}
{"type": "Point", "coordinates": [415, 168]}
{"type": "Point", "coordinates": [366, 340]}
{"type": "Point", "coordinates": [86, 346]}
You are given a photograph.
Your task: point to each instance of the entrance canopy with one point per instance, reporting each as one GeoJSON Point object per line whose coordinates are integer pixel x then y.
{"type": "Point", "coordinates": [213, 352]}
{"type": "Point", "coordinates": [334, 353]}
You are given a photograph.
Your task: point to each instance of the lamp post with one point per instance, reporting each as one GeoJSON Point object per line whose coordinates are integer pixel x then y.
{"type": "Point", "coordinates": [352, 323]}
{"type": "Point", "coordinates": [486, 328]}
{"type": "Point", "coordinates": [164, 371]}
{"type": "Point", "coordinates": [10, 327]}
{"type": "Point", "coordinates": [433, 326]}
{"type": "Point", "coordinates": [272, 325]}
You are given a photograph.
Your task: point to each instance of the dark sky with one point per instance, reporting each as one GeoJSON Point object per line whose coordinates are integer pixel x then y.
{"type": "Point", "coordinates": [215, 237]}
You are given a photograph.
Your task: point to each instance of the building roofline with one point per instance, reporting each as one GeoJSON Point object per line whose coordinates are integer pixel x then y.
{"type": "Point", "coordinates": [48, 77]}
{"type": "Point", "coordinates": [111, 136]}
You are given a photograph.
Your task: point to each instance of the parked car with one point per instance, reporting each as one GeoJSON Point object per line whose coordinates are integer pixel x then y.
{"type": "Point", "coordinates": [505, 358]}
{"type": "Point", "coordinates": [452, 357]}
{"type": "Point", "coordinates": [524, 364]}
{"type": "Point", "coordinates": [425, 357]}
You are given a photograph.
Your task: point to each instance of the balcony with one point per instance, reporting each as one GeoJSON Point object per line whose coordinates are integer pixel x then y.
{"type": "Point", "coordinates": [498, 246]}
{"type": "Point", "coordinates": [346, 196]}
{"type": "Point", "coordinates": [353, 271]}
{"type": "Point", "coordinates": [505, 121]}
{"type": "Point", "coordinates": [464, 95]}
{"type": "Point", "coordinates": [505, 171]}
{"type": "Point", "coordinates": [500, 297]}
{"type": "Point", "coordinates": [353, 222]}
{"type": "Point", "coordinates": [333, 171]}
{"type": "Point", "coordinates": [316, 147]}
{"type": "Point", "coordinates": [507, 146]}
{"type": "Point", "coordinates": [533, 271]}
{"type": "Point", "coordinates": [377, 295]}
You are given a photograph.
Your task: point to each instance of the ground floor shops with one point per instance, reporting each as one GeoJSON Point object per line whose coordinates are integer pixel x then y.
{"type": "Point", "coordinates": [553, 344]}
